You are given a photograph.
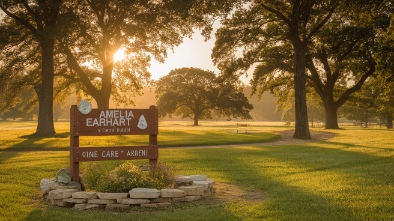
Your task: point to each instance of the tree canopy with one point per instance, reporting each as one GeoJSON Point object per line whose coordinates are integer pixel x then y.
{"type": "Point", "coordinates": [141, 29]}
{"type": "Point", "coordinates": [336, 46]}
{"type": "Point", "coordinates": [195, 93]}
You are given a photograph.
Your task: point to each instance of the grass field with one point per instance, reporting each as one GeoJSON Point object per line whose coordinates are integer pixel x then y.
{"type": "Point", "coordinates": [347, 177]}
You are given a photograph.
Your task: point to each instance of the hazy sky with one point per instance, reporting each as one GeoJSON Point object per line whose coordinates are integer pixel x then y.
{"type": "Point", "coordinates": [193, 52]}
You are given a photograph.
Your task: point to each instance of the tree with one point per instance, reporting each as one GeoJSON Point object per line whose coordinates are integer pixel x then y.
{"type": "Point", "coordinates": [340, 50]}
{"type": "Point", "coordinates": [141, 29]}
{"type": "Point", "coordinates": [344, 55]}
{"type": "Point", "coordinates": [264, 25]}
{"type": "Point", "coordinates": [37, 21]}
{"type": "Point", "coordinates": [195, 93]}
{"type": "Point", "coordinates": [385, 69]}
{"type": "Point", "coordinates": [24, 105]}
{"type": "Point", "coordinates": [362, 106]}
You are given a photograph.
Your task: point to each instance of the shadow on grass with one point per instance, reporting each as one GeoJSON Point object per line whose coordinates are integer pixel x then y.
{"type": "Point", "coordinates": [35, 136]}
{"type": "Point", "coordinates": [305, 182]}
{"type": "Point", "coordinates": [30, 143]}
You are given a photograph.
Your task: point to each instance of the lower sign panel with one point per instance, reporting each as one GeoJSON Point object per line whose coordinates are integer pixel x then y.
{"type": "Point", "coordinates": [115, 153]}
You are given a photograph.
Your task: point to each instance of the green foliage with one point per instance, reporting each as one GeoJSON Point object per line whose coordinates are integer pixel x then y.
{"type": "Point", "coordinates": [374, 102]}
{"type": "Point", "coordinates": [339, 38]}
{"type": "Point", "coordinates": [101, 177]}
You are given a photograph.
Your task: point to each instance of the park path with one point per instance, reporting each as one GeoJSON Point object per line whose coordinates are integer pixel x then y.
{"type": "Point", "coordinates": [286, 138]}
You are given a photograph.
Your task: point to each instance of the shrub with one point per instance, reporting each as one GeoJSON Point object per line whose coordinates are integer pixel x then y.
{"type": "Point", "coordinates": [101, 177]}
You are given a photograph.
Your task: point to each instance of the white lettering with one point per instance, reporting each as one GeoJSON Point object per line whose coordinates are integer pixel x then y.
{"type": "Point", "coordinates": [130, 114]}
{"type": "Point", "coordinates": [111, 153]}
{"type": "Point", "coordinates": [111, 118]}
{"type": "Point", "coordinates": [89, 154]}
{"type": "Point", "coordinates": [95, 122]}
{"type": "Point", "coordinates": [122, 122]}
{"type": "Point", "coordinates": [115, 114]}
{"type": "Point", "coordinates": [89, 122]}
{"type": "Point", "coordinates": [116, 122]}
{"type": "Point", "coordinates": [137, 153]}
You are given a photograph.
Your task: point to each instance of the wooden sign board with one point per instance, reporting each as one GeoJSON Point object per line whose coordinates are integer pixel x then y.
{"type": "Point", "coordinates": [101, 122]}
{"type": "Point", "coordinates": [105, 122]}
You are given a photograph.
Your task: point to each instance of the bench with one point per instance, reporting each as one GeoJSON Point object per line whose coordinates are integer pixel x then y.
{"type": "Point", "coordinates": [242, 127]}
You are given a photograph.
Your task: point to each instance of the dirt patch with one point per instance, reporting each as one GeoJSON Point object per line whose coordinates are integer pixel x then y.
{"type": "Point", "coordinates": [286, 137]}
{"type": "Point", "coordinates": [227, 192]}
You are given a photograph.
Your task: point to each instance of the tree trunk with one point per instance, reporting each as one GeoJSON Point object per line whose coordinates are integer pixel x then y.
{"type": "Point", "coordinates": [389, 120]}
{"type": "Point", "coordinates": [103, 101]}
{"type": "Point", "coordinates": [331, 118]}
{"type": "Point", "coordinates": [301, 112]}
{"type": "Point", "coordinates": [104, 93]}
{"type": "Point", "coordinates": [45, 126]}
{"type": "Point", "coordinates": [195, 120]}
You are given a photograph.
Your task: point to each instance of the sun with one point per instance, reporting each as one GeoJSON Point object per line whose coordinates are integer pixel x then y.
{"type": "Point", "coordinates": [119, 55]}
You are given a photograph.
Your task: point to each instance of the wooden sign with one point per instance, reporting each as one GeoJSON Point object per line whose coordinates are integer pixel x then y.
{"type": "Point", "coordinates": [85, 121]}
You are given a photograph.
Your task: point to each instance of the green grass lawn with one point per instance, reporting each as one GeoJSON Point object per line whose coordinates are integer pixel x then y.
{"type": "Point", "coordinates": [347, 177]}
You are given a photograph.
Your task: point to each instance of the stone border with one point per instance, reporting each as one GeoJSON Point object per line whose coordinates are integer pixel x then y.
{"type": "Point", "coordinates": [186, 189]}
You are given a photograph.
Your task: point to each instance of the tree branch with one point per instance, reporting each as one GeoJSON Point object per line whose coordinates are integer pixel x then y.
{"type": "Point", "coordinates": [19, 19]}
{"type": "Point", "coordinates": [83, 76]}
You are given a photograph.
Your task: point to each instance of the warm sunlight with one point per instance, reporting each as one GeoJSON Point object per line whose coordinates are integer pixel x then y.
{"type": "Point", "coordinates": [120, 55]}
{"type": "Point", "coordinates": [195, 52]}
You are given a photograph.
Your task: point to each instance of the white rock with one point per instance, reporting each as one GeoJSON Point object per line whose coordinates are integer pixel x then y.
{"type": "Point", "coordinates": [191, 178]}
{"type": "Point", "coordinates": [72, 200]}
{"type": "Point", "coordinates": [133, 201]}
{"type": "Point", "coordinates": [47, 185]}
{"type": "Point", "coordinates": [100, 201]}
{"type": "Point", "coordinates": [61, 193]}
{"type": "Point", "coordinates": [183, 179]}
{"type": "Point", "coordinates": [84, 195]}
{"type": "Point", "coordinates": [112, 196]}
{"type": "Point", "coordinates": [172, 193]}
{"type": "Point", "coordinates": [201, 177]}
{"type": "Point", "coordinates": [144, 193]}
{"type": "Point", "coordinates": [205, 184]}
{"type": "Point", "coordinates": [193, 190]}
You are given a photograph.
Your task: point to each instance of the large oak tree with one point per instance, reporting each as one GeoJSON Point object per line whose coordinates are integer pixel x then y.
{"type": "Point", "coordinates": [195, 93]}
{"type": "Point", "coordinates": [101, 28]}
{"type": "Point", "coordinates": [142, 29]}
{"type": "Point", "coordinates": [267, 24]}
{"type": "Point", "coordinates": [37, 23]}
{"type": "Point", "coordinates": [344, 54]}
{"type": "Point", "coordinates": [339, 49]}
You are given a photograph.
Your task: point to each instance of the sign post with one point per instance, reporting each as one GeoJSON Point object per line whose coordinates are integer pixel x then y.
{"type": "Point", "coordinates": [104, 122]}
